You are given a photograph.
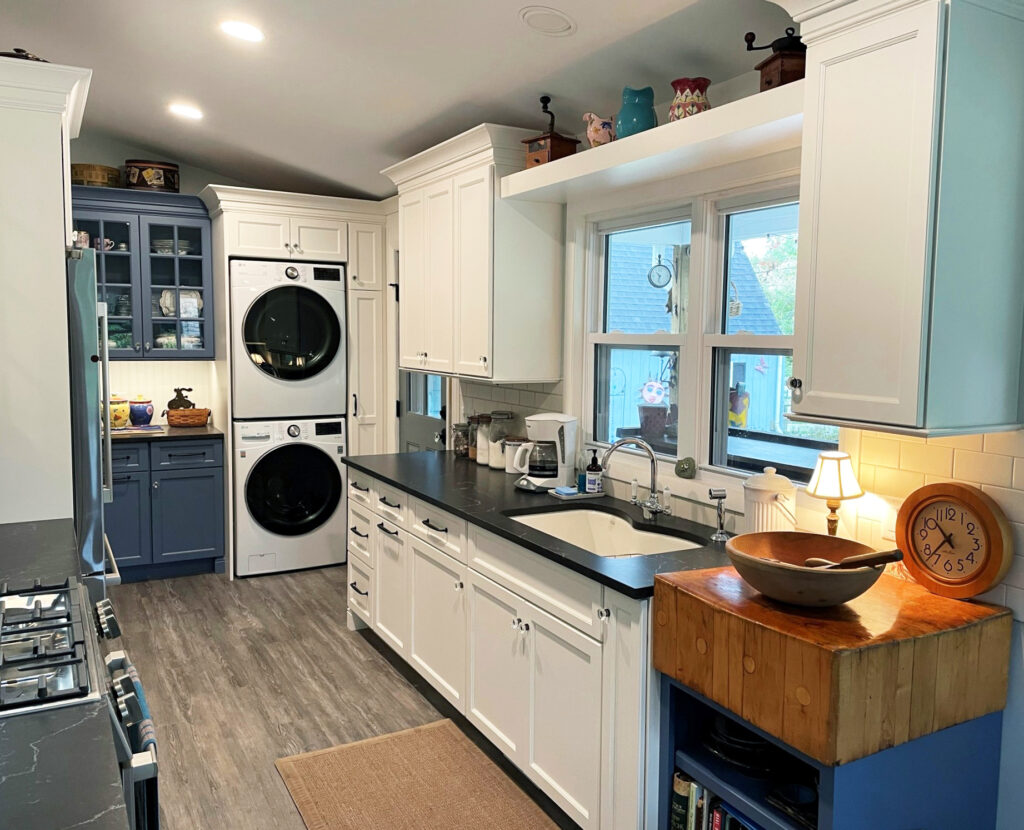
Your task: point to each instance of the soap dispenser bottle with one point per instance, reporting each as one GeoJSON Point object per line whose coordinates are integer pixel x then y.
{"type": "Point", "coordinates": [594, 483]}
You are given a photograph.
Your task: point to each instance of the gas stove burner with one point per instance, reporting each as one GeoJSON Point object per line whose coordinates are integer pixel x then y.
{"type": "Point", "coordinates": [36, 645]}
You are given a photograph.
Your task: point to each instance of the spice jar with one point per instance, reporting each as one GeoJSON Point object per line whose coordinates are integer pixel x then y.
{"type": "Point", "coordinates": [474, 425]}
{"type": "Point", "coordinates": [460, 440]}
{"type": "Point", "coordinates": [501, 425]}
{"type": "Point", "coordinates": [483, 439]}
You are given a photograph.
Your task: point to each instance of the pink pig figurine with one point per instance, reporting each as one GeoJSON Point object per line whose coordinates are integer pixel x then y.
{"type": "Point", "coordinates": [599, 130]}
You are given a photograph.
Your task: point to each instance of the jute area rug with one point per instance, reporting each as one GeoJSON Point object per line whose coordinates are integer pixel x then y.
{"type": "Point", "coordinates": [429, 777]}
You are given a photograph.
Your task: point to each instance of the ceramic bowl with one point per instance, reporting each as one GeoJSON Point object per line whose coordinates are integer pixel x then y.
{"type": "Point", "coordinates": [772, 562]}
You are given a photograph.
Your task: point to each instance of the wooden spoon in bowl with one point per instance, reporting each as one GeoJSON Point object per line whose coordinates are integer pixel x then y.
{"type": "Point", "coordinates": [860, 560]}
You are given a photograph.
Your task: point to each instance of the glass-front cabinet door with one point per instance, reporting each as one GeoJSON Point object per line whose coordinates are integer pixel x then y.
{"type": "Point", "coordinates": [115, 236]}
{"type": "Point", "coordinates": [178, 305]}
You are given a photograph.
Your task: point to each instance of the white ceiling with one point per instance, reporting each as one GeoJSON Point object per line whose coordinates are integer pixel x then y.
{"type": "Point", "coordinates": [342, 88]}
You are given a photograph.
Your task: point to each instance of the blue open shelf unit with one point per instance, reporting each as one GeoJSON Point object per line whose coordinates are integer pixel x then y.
{"type": "Point", "coordinates": [944, 781]}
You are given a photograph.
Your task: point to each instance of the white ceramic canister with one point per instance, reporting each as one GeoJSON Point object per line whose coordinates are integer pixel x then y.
{"type": "Point", "coordinates": [769, 502]}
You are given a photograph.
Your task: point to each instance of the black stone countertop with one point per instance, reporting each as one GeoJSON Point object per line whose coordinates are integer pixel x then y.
{"type": "Point", "coordinates": [58, 767]}
{"type": "Point", "coordinates": [167, 433]}
{"type": "Point", "coordinates": [45, 550]}
{"type": "Point", "coordinates": [487, 497]}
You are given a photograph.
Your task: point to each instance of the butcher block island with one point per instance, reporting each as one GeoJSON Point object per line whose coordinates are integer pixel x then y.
{"type": "Point", "coordinates": [880, 692]}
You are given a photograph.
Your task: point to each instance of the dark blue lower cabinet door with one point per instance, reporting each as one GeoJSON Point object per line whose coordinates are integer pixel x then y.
{"type": "Point", "coordinates": [188, 514]}
{"type": "Point", "coordinates": [126, 520]}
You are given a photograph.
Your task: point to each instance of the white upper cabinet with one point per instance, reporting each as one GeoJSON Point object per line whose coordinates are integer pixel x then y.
{"type": "Point", "coordinates": [366, 256]}
{"type": "Point", "coordinates": [314, 238]}
{"type": "Point", "coordinates": [910, 303]}
{"type": "Point", "coordinates": [275, 236]}
{"type": "Point", "coordinates": [481, 278]}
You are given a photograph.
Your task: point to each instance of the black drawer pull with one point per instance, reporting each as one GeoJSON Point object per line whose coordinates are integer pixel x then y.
{"type": "Point", "coordinates": [121, 458]}
{"type": "Point", "coordinates": [388, 532]}
{"type": "Point", "coordinates": [352, 585]}
{"type": "Point", "coordinates": [185, 454]}
{"type": "Point", "coordinates": [355, 486]}
{"type": "Point", "coordinates": [121, 479]}
{"type": "Point", "coordinates": [357, 533]}
{"type": "Point", "coordinates": [430, 525]}
{"type": "Point", "coordinates": [384, 500]}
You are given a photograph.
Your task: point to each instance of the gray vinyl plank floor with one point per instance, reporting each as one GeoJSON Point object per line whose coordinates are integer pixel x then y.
{"type": "Point", "coordinates": [239, 674]}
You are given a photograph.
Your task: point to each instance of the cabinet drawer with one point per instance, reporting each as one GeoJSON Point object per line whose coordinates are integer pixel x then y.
{"type": "Point", "coordinates": [443, 530]}
{"type": "Point", "coordinates": [177, 455]}
{"type": "Point", "coordinates": [360, 488]}
{"type": "Point", "coordinates": [360, 598]}
{"type": "Point", "coordinates": [570, 597]}
{"type": "Point", "coordinates": [360, 528]}
{"type": "Point", "coordinates": [129, 458]}
{"type": "Point", "coordinates": [390, 503]}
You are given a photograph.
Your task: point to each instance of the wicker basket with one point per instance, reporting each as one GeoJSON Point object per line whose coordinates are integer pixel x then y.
{"type": "Point", "coordinates": [95, 175]}
{"type": "Point", "coordinates": [187, 417]}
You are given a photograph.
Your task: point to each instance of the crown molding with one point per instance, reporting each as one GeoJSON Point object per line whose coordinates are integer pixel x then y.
{"type": "Point", "coordinates": [45, 87]}
{"type": "Point", "coordinates": [219, 198]}
{"type": "Point", "coordinates": [486, 143]}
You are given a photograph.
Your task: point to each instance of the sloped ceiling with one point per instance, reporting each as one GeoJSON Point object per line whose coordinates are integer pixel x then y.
{"type": "Point", "coordinates": [340, 89]}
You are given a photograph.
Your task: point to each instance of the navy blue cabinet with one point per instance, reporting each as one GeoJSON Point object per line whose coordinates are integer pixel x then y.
{"type": "Point", "coordinates": [154, 270]}
{"type": "Point", "coordinates": [188, 514]}
{"type": "Point", "coordinates": [127, 520]}
{"type": "Point", "coordinates": [167, 516]}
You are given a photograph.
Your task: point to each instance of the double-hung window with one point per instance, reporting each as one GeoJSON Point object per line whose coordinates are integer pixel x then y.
{"type": "Point", "coordinates": [750, 347]}
{"type": "Point", "coordinates": [638, 331]}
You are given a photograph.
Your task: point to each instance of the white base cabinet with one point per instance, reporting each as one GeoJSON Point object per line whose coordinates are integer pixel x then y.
{"type": "Point", "coordinates": [437, 639]}
{"type": "Point", "coordinates": [366, 374]}
{"type": "Point", "coordinates": [560, 682]}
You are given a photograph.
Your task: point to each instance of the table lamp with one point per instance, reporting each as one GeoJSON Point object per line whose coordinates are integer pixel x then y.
{"type": "Point", "coordinates": [834, 481]}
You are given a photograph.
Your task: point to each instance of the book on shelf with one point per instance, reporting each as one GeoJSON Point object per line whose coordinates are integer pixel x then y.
{"type": "Point", "coordinates": [680, 802]}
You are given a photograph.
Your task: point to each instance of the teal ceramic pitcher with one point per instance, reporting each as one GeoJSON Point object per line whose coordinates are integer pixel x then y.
{"type": "Point", "coordinates": [637, 113]}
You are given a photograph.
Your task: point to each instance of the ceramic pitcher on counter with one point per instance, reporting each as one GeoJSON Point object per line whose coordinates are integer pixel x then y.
{"type": "Point", "coordinates": [769, 502]}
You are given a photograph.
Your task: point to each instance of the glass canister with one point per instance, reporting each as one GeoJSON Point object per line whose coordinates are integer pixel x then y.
{"type": "Point", "coordinates": [483, 439]}
{"type": "Point", "coordinates": [460, 440]}
{"type": "Point", "coordinates": [474, 426]}
{"type": "Point", "coordinates": [501, 425]}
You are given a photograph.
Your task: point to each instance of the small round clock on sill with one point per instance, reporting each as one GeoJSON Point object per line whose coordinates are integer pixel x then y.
{"type": "Point", "coordinates": [955, 539]}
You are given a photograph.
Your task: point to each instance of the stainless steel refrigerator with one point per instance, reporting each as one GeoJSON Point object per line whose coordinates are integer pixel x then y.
{"type": "Point", "coordinates": [90, 409]}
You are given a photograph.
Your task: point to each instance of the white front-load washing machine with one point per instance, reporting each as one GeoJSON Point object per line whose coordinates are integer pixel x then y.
{"type": "Point", "coordinates": [287, 339]}
{"type": "Point", "coordinates": [290, 485]}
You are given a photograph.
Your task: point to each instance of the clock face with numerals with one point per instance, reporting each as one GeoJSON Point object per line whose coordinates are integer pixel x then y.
{"type": "Point", "coordinates": [955, 539]}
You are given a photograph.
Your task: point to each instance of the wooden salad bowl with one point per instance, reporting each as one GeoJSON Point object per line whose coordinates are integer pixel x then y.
{"type": "Point", "coordinates": [772, 562]}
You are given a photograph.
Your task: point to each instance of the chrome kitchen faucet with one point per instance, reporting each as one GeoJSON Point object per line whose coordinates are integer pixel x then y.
{"type": "Point", "coordinates": [652, 506]}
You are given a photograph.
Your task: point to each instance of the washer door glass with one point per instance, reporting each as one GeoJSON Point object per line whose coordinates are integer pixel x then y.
{"type": "Point", "coordinates": [291, 333]}
{"type": "Point", "coordinates": [293, 490]}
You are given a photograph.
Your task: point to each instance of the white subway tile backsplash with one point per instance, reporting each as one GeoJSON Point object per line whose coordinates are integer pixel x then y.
{"type": "Point", "coordinates": [959, 442]}
{"type": "Point", "coordinates": [984, 467]}
{"type": "Point", "coordinates": [1014, 601]}
{"type": "Point", "coordinates": [997, 595]}
{"type": "Point", "coordinates": [924, 458]}
{"type": "Point", "coordinates": [1018, 474]}
{"type": "Point", "coordinates": [1015, 576]}
{"type": "Point", "coordinates": [881, 451]}
{"type": "Point", "coordinates": [1005, 443]}
{"type": "Point", "coordinates": [1012, 501]}
{"type": "Point", "coordinates": [896, 483]}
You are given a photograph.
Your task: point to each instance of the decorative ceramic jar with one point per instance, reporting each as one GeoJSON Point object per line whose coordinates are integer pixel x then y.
{"type": "Point", "coordinates": [637, 113]}
{"type": "Point", "coordinates": [120, 412]}
{"type": "Point", "coordinates": [691, 97]}
{"type": "Point", "coordinates": [599, 130]}
{"type": "Point", "coordinates": [141, 411]}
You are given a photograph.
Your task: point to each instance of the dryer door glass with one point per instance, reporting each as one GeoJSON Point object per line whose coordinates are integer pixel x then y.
{"type": "Point", "coordinates": [293, 490]}
{"type": "Point", "coordinates": [291, 333]}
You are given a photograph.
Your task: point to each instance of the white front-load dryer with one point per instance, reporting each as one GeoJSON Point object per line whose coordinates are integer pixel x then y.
{"type": "Point", "coordinates": [287, 339]}
{"type": "Point", "coordinates": [290, 484]}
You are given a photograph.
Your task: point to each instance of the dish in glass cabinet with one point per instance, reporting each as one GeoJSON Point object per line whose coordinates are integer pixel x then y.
{"type": "Point", "coordinates": [163, 246]}
{"type": "Point", "coordinates": [166, 341]}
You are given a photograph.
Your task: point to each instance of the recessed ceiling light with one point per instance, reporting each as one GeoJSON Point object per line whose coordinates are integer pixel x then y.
{"type": "Point", "coordinates": [186, 111]}
{"type": "Point", "coordinates": [243, 31]}
{"type": "Point", "coordinates": [547, 21]}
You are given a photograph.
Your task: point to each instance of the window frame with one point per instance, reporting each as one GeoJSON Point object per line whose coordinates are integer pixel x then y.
{"type": "Point", "coordinates": [687, 342]}
{"type": "Point", "coordinates": [717, 211]}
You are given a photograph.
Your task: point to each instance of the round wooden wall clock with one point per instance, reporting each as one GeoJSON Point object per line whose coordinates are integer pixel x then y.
{"type": "Point", "coordinates": [955, 540]}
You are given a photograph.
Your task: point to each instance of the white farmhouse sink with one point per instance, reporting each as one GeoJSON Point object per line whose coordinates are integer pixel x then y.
{"type": "Point", "coordinates": [602, 533]}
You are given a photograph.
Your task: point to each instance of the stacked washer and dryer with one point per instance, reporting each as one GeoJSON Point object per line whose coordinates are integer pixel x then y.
{"type": "Point", "coordinates": [288, 372]}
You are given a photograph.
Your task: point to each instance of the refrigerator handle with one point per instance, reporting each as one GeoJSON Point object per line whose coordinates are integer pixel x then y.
{"type": "Point", "coordinates": [108, 450]}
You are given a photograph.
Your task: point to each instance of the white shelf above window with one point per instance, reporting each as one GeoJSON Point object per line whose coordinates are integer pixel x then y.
{"type": "Point", "coordinates": [759, 125]}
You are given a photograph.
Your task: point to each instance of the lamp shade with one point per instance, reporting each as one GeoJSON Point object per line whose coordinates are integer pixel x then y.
{"type": "Point", "coordinates": [833, 478]}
